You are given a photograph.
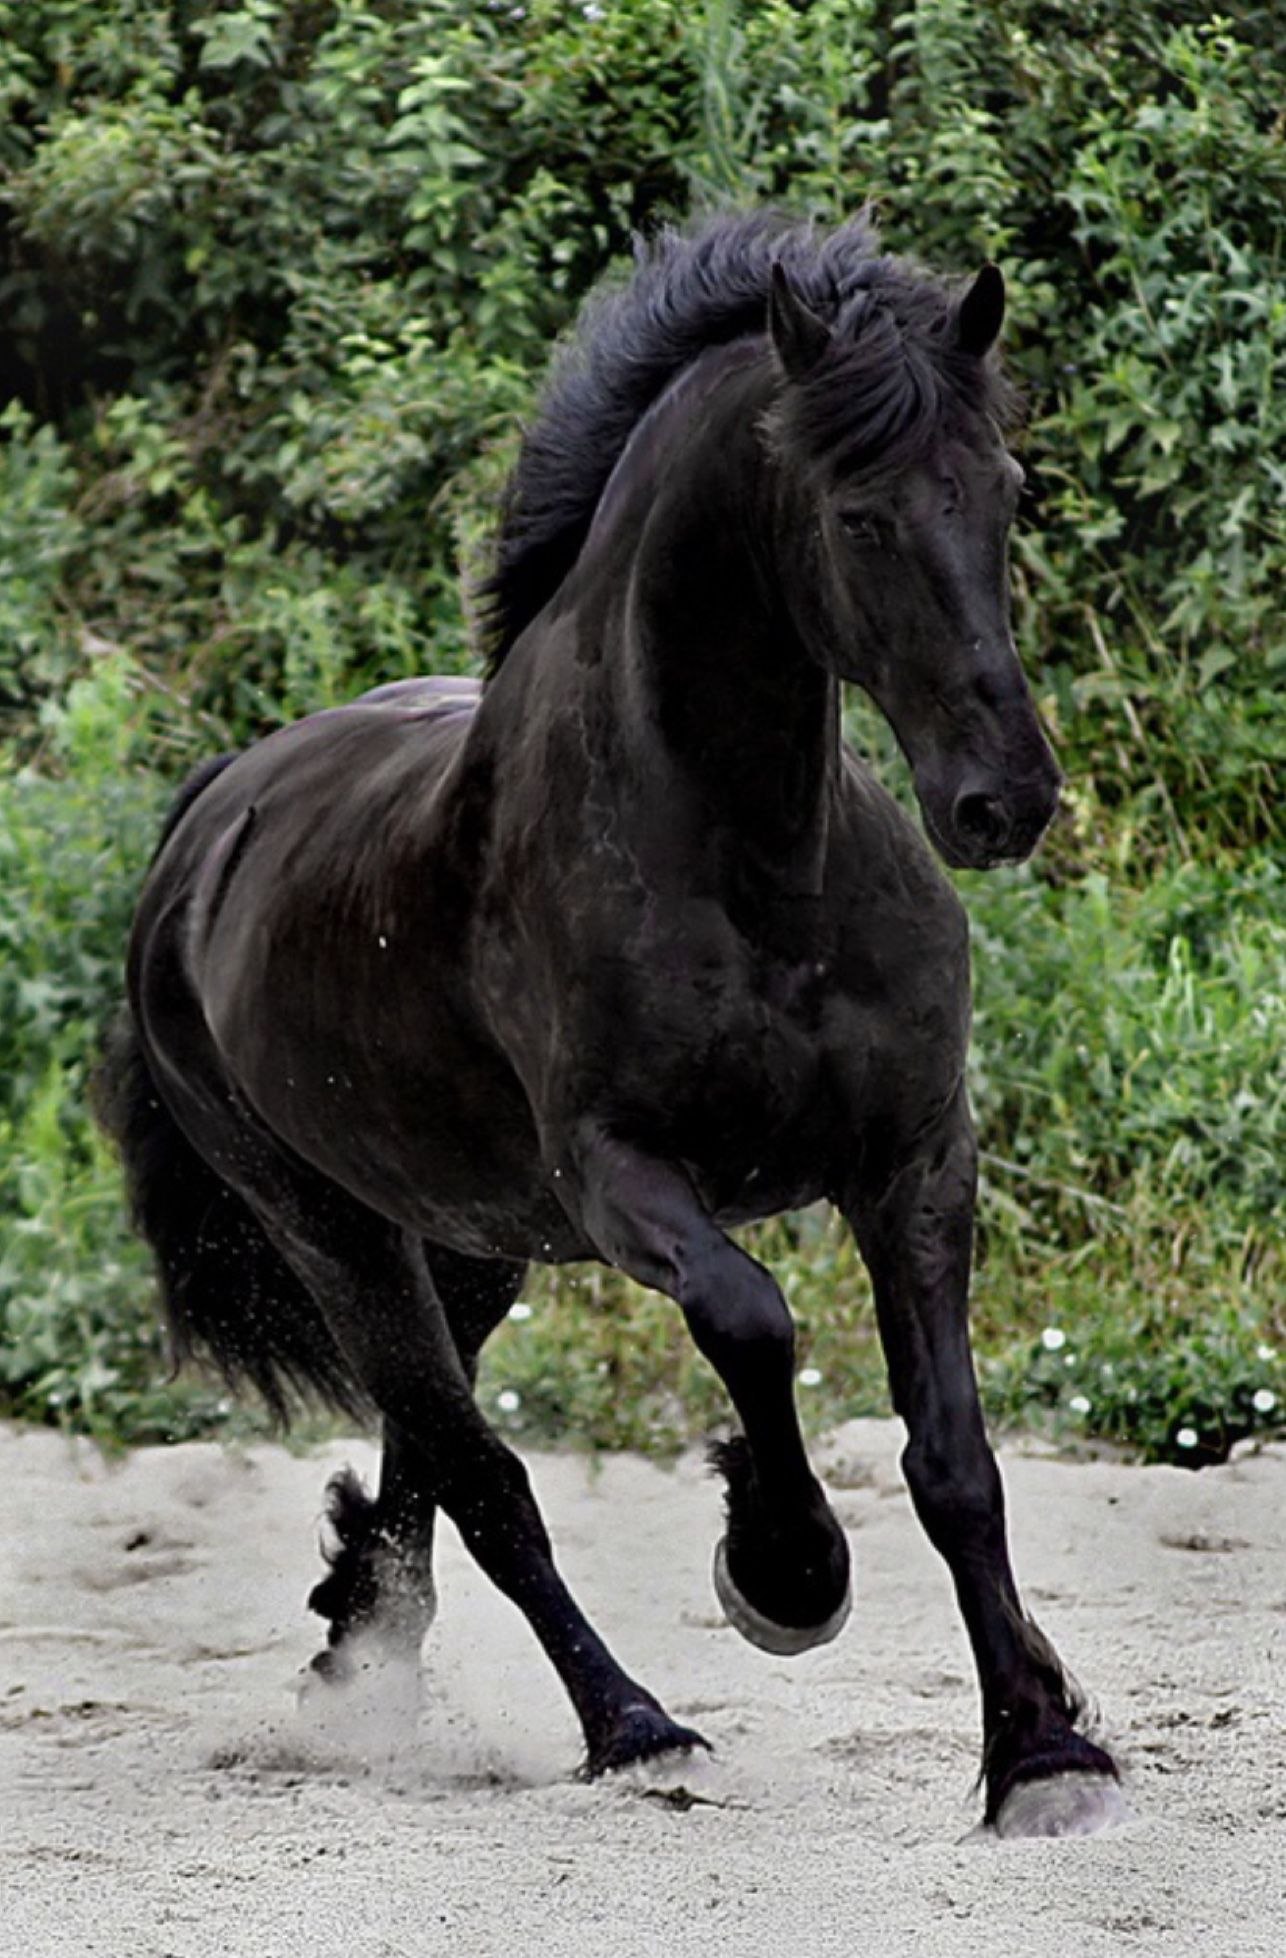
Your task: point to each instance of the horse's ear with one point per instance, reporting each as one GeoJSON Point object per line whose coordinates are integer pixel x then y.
{"type": "Point", "coordinates": [801, 339]}
{"type": "Point", "coordinates": [981, 311]}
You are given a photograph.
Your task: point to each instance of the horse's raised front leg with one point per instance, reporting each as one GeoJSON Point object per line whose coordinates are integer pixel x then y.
{"type": "Point", "coordinates": [1042, 1777]}
{"type": "Point", "coordinates": [782, 1569]}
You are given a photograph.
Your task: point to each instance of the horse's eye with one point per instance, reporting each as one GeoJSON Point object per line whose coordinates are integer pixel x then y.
{"type": "Point", "coordinates": [860, 526]}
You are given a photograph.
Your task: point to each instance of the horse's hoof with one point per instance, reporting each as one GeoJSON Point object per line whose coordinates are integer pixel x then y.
{"type": "Point", "coordinates": [641, 1732]}
{"type": "Point", "coordinates": [1062, 1805]}
{"type": "Point", "coordinates": [785, 1640]}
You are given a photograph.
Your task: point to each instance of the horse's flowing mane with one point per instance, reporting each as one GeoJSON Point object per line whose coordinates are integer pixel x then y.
{"type": "Point", "coordinates": [702, 287]}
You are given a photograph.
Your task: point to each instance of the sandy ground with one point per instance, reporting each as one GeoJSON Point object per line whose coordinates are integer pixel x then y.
{"type": "Point", "coordinates": [162, 1797]}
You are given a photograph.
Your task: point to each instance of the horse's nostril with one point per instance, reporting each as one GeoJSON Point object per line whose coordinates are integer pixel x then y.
{"type": "Point", "coordinates": [984, 818]}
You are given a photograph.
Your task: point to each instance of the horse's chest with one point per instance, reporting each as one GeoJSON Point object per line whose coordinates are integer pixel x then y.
{"type": "Point", "coordinates": [725, 1058]}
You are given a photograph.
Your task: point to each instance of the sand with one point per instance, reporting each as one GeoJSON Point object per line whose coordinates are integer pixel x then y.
{"type": "Point", "coordinates": [162, 1796]}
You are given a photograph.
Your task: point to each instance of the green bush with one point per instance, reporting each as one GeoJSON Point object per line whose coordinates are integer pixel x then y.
{"type": "Point", "coordinates": [73, 845]}
{"type": "Point", "coordinates": [277, 282]}
{"type": "Point", "coordinates": [77, 1339]}
{"type": "Point", "coordinates": [301, 265]}
{"type": "Point", "coordinates": [39, 534]}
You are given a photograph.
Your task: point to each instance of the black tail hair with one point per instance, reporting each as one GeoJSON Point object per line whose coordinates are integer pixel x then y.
{"type": "Point", "coordinates": [226, 1291]}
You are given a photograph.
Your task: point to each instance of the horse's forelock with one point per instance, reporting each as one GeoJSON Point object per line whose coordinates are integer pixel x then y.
{"type": "Point", "coordinates": [891, 379]}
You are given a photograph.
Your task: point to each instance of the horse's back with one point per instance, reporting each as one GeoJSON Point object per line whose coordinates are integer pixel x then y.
{"type": "Point", "coordinates": [302, 947]}
{"type": "Point", "coordinates": [323, 798]}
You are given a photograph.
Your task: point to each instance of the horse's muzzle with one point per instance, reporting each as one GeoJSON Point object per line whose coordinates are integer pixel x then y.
{"type": "Point", "coordinates": [985, 824]}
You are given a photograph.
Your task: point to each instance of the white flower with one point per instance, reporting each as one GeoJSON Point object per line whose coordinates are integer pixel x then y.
{"type": "Point", "coordinates": [508, 1402]}
{"type": "Point", "coordinates": [520, 1310]}
{"type": "Point", "coordinates": [1079, 1404]}
{"type": "Point", "coordinates": [1264, 1401]}
{"type": "Point", "coordinates": [1053, 1339]}
{"type": "Point", "coordinates": [810, 1377]}
{"type": "Point", "coordinates": [1186, 1438]}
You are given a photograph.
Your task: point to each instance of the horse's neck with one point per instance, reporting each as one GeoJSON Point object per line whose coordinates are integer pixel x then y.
{"type": "Point", "coordinates": [710, 658]}
{"type": "Point", "coordinates": [666, 677]}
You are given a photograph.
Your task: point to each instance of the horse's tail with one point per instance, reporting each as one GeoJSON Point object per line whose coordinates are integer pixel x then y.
{"type": "Point", "coordinates": [227, 1292]}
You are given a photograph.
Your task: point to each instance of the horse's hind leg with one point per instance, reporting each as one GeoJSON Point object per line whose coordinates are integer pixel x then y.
{"type": "Point", "coordinates": [376, 1291]}
{"type": "Point", "coordinates": [393, 1345]}
{"type": "Point", "coordinates": [1042, 1777]}
{"type": "Point", "coordinates": [380, 1553]}
{"type": "Point", "coordinates": [380, 1581]}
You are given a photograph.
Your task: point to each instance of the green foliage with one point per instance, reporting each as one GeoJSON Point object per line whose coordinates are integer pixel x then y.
{"type": "Point", "coordinates": [1166, 512]}
{"type": "Point", "coordinates": [277, 282]}
{"type": "Point", "coordinates": [72, 847]}
{"type": "Point", "coordinates": [1182, 1379]}
{"type": "Point", "coordinates": [1132, 1111]}
{"type": "Point", "coordinates": [301, 264]}
{"type": "Point", "coordinates": [39, 534]}
{"type": "Point", "coordinates": [77, 1340]}
{"type": "Point", "coordinates": [1124, 1036]}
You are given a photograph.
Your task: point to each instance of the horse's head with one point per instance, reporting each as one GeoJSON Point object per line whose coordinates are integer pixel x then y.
{"type": "Point", "coordinates": [897, 497]}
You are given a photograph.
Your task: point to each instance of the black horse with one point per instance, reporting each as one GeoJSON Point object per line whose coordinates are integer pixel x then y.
{"type": "Point", "coordinates": [627, 948]}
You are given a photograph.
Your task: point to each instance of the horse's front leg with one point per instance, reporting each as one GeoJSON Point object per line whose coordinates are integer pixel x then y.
{"type": "Point", "coordinates": [1042, 1776]}
{"type": "Point", "coordinates": [782, 1569]}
